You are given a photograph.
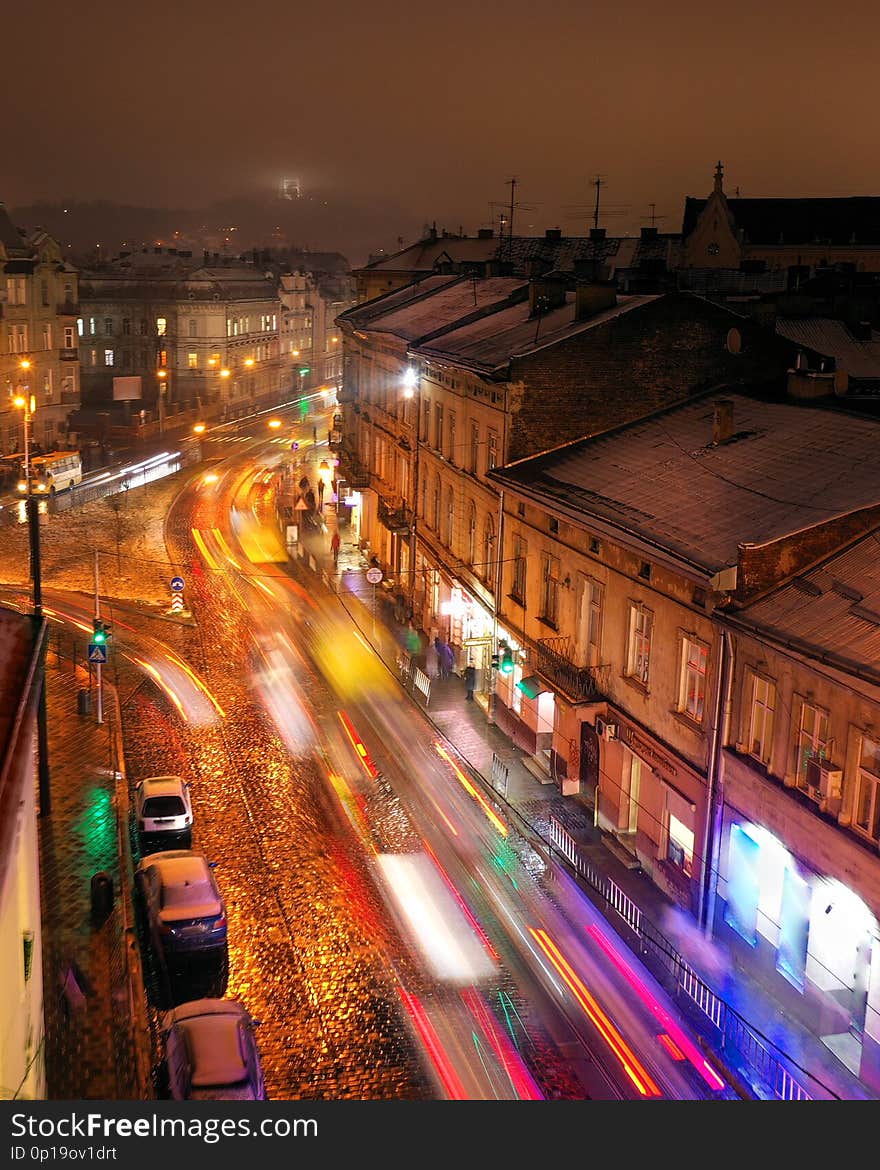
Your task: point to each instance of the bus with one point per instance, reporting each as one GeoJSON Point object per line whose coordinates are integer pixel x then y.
{"type": "Point", "coordinates": [52, 473]}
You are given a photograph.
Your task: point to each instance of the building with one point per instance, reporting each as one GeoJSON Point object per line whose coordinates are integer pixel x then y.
{"type": "Point", "coordinates": [453, 376]}
{"type": "Point", "coordinates": [22, 1068]}
{"type": "Point", "coordinates": [690, 600]}
{"type": "Point", "coordinates": [39, 357]}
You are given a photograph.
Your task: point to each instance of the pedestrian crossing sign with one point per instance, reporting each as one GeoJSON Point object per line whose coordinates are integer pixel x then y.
{"type": "Point", "coordinates": [97, 652]}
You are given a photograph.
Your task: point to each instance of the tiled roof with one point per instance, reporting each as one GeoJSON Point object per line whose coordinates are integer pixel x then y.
{"type": "Point", "coordinates": [850, 220]}
{"type": "Point", "coordinates": [10, 237]}
{"type": "Point", "coordinates": [488, 344]}
{"type": "Point", "coordinates": [787, 467]}
{"type": "Point", "coordinates": [833, 611]}
{"type": "Point", "coordinates": [831, 338]}
{"type": "Point", "coordinates": [433, 304]}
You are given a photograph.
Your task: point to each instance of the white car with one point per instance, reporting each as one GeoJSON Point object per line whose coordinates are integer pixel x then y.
{"type": "Point", "coordinates": [211, 1052]}
{"type": "Point", "coordinates": [163, 808]}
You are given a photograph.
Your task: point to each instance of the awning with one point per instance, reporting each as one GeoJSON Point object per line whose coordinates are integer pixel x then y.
{"type": "Point", "coordinates": [532, 686]}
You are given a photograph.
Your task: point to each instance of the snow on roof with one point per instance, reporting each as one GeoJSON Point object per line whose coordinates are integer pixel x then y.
{"type": "Point", "coordinates": [491, 341]}
{"type": "Point", "coordinates": [831, 338]}
{"type": "Point", "coordinates": [439, 302]}
{"type": "Point", "coordinates": [832, 611]}
{"type": "Point", "coordinates": [787, 467]}
{"type": "Point", "coordinates": [215, 1048]}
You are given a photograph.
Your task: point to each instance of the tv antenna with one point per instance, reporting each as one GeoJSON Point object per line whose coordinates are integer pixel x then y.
{"type": "Point", "coordinates": [507, 211]}
{"type": "Point", "coordinates": [609, 210]}
{"type": "Point", "coordinates": [653, 217]}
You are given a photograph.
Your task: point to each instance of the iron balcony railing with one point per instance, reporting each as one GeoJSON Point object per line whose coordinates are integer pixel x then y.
{"type": "Point", "coordinates": [579, 683]}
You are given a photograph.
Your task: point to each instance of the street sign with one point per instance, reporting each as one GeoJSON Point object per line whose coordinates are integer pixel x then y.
{"type": "Point", "coordinates": [176, 603]}
{"type": "Point", "coordinates": [374, 575]}
{"type": "Point", "coordinates": [177, 584]}
{"type": "Point", "coordinates": [97, 652]}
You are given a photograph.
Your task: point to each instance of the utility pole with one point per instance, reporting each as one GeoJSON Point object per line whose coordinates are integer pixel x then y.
{"type": "Point", "coordinates": [598, 183]}
{"type": "Point", "coordinates": [99, 686]}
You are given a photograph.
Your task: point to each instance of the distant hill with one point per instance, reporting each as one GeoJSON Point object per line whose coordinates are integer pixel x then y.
{"type": "Point", "coordinates": [89, 230]}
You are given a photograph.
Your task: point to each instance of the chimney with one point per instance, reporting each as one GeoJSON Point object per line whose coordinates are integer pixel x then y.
{"type": "Point", "coordinates": [597, 233]}
{"type": "Point", "coordinates": [593, 297]}
{"type": "Point", "coordinates": [649, 233]}
{"type": "Point", "coordinates": [723, 428]}
{"type": "Point", "coordinates": [545, 295]}
{"type": "Point", "coordinates": [553, 234]}
{"type": "Point", "coordinates": [485, 234]}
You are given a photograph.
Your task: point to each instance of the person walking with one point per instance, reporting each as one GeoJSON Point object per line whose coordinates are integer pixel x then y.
{"type": "Point", "coordinates": [447, 659]}
{"type": "Point", "coordinates": [440, 647]}
{"type": "Point", "coordinates": [470, 681]}
{"type": "Point", "coordinates": [320, 495]}
{"type": "Point", "coordinates": [334, 546]}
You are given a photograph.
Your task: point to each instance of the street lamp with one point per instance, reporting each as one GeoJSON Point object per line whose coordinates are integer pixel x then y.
{"type": "Point", "coordinates": [27, 404]}
{"type": "Point", "coordinates": [162, 375]}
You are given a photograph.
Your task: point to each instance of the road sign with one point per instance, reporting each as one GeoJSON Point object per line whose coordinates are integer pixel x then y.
{"type": "Point", "coordinates": [176, 603]}
{"type": "Point", "coordinates": [177, 584]}
{"type": "Point", "coordinates": [97, 652]}
{"type": "Point", "coordinates": [374, 575]}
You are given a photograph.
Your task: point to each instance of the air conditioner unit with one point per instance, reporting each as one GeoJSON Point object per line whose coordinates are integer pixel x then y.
{"type": "Point", "coordinates": [605, 729]}
{"type": "Point", "coordinates": [825, 779]}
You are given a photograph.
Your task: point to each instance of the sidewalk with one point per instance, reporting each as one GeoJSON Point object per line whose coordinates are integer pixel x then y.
{"type": "Point", "coordinates": [771, 1012]}
{"type": "Point", "coordinates": [97, 1036]}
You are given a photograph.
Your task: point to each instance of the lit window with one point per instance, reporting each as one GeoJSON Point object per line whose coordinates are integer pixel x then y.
{"type": "Point", "coordinates": [192, 361]}
{"type": "Point", "coordinates": [680, 847]}
{"type": "Point", "coordinates": [867, 806]}
{"type": "Point", "coordinates": [692, 685]}
{"type": "Point", "coordinates": [812, 741]}
{"type": "Point", "coordinates": [760, 741]}
{"type": "Point", "coordinates": [161, 326]}
{"type": "Point", "coordinates": [108, 357]}
{"type": "Point", "coordinates": [641, 627]}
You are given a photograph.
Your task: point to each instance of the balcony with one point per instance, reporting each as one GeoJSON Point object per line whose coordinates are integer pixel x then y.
{"type": "Point", "coordinates": [581, 684]}
{"type": "Point", "coordinates": [68, 354]}
{"type": "Point", "coordinates": [357, 475]}
{"type": "Point", "coordinates": [67, 309]}
{"type": "Point", "coordinates": [393, 515]}
{"type": "Point", "coordinates": [70, 398]}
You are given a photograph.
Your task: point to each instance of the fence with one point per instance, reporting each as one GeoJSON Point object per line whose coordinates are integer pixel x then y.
{"type": "Point", "coordinates": [727, 1028]}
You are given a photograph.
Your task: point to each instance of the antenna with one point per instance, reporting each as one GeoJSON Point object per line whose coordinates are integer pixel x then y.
{"type": "Point", "coordinates": [598, 181]}
{"type": "Point", "coordinates": [653, 216]}
{"type": "Point", "coordinates": [507, 212]}
{"type": "Point", "coordinates": [581, 211]}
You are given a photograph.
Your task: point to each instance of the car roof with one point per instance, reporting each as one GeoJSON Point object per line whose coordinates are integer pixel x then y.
{"type": "Point", "coordinates": [161, 785]}
{"type": "Point", "coordinates": [215, 1043]}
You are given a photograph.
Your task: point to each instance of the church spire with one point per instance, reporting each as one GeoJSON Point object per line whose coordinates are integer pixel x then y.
{"type": "Point", "coordinates": [719, 178]}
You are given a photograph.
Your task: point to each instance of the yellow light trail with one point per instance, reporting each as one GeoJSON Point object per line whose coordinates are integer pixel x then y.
{"type": "Point", "coordinates": [203, 549]}
{"type": "Point", "coordinates": [469, 788]}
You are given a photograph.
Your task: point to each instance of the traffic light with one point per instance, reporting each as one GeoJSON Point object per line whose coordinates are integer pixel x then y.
{"type": "Point", "coordinates": [100, 632]}
{"type": "Point", "coordinates": [496, 660]}
{"type": "Point", "coordinates": [506, 660]}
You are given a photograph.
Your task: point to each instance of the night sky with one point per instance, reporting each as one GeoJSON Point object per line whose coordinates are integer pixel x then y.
{"type": "Point", "coordinates": [429, 110]}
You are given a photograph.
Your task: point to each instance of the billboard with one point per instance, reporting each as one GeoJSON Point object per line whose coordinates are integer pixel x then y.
{"type": "Point", "coordinates": [127, 389]}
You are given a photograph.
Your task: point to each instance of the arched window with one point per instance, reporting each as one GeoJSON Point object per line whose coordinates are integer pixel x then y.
{"type": "Point", "coordinates": [435, 523]}
{"type": "Point", "coordinates": [472, 534]}
{"type": "Point", "coordinates": [487, 569]}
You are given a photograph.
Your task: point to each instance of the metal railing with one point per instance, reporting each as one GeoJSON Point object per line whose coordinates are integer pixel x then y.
{"type": "Point", "coordinates": [727, 1029]}
{"type": "Point", "coordinates": [584, 683]}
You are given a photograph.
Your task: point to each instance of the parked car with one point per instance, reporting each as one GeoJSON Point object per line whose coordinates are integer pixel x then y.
{"type": "Point", "coordinates": [184, 907]}
{"type": "Point", "coordinates": [211, 1052]}
{"type": "Point", "coordinates": [163, 809]}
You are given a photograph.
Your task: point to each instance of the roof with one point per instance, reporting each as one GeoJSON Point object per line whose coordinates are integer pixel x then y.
{"type": "Point", "coordinates": [490, 343]}
{"type": "Point", "coordinates": [844, 221]}
{"type": "Point", "coordinates": [10, 237]}
{"type": "Point", "coordinates": [214, 1043]}
{"type": "Point", "coordinates": [787, 467]}
{"type": "Point", "coordinates": [425, 254]}
{"type": "Point", "coordinates": [833, 611]}
{"type": "Point", "coordinates": [442, 302]}
{"type": "Point", "coordinates": [831, 338]}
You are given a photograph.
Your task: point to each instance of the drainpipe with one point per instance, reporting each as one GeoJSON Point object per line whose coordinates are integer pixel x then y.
{"type": "Point", "coordinates": [499, 564]}
{"type": "Point", "coordinates": [711, 846]}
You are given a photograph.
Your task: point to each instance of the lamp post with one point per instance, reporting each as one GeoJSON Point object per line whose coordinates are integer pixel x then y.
{"type": "Point", "coordinates": [412, 390]}
{"type": "Point", "coordinates": [25, 402]}
{"type": "Point", "coordinates": [162, 375]}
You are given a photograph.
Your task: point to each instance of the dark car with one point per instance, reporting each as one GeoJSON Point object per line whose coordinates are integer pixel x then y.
{"type": "Point", "coordinates": [184, 906]}
{"type": "Point", "coordinates": [211, 1052]}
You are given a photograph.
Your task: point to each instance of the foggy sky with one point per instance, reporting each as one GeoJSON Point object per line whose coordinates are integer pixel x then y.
{"type": "Point", "coordinates": [433, 108]}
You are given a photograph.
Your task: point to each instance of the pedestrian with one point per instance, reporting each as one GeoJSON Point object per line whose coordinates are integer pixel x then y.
{"type": "Point", "coordinates": [440, 647]}
{"type": "Point", "coordinates": [432, 661]}
{"type": "Point", "coordinates": [334, 546]}
{"type": "Point", "coordinates": [447, 658]}
{"type": "Point", "coordinates": [321, 494]}
{"type": "Point", "coordinates": [470, 681]}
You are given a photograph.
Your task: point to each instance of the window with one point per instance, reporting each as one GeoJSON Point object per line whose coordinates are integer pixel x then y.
{"type": "Point", "coordinates": [94, 355]}
{"type": "Point", "coordinates": [126, 326]}
{"type": "Point", "coordinates": [17, 338]}
{"type": "Point", "coordinates": [475, 448]}
{"type": "Point", "coordinates": [550, 588]}
{"type": "Point", "coordinates": [69, 337]}
{"type": "Point", "coordinates": [161, 326]}
{"type": "Point", "coordinates": [16, 290]}
{"type": "Point", "coordinates": [520, 555]}
{"type": "Point", "coordinates": [192, 361]}
{"type": "Point", "coordinates": [80, 326]}
{"type": "Point", "coordinates": [108, 357]}
{"type": "Point", "coordinates": [108, 326]}
{"type": "Point", "coordinates": [492, 456]}
{"type": "Point", "coordinates": [554, 524]}
{"type": "Point", "coordinates": [47, 335]}
{"type": "Point", "coordinates": [645, 570]}
{"type": "Point", "coordinates": [143, 327]}
{"type": "Point", "coordinates": [450, 518]}
{"type": "Point", "coordinates": [163, 357]}
{"type": "Point", "coordinates": [763, 707]}
{"type": "Point", "coordinates": [692, 684]}
{"type": "Point", "coordinates": [867, 807]}
{"type": "Point", "coordinates": [438, 427]}
{"type": "Point", "coordinates": [595, 546]}
{"type": "Point", "coordinates": [589, 633]}
{"type": "Point", "coordinates": [638, 655]}
{"type": "Point", "coordinates": [520, 509]}
{"type": "Point", "coordinates": [450, 437]}
{"type": "Point", "coordinates": [812, 739]}
{"type": "Point", "coordinates": [44, 292]}
{"type": "Point", "coordinates": [192, 327]}
{"type": "Point", "coordinates": [93, 328]}
{"type": "Point", "coordinates": [680, 846]}
{"type": "Point", "coordinates": [472, 534]}
{"type": "Point", "coordinates": [436, 509]}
